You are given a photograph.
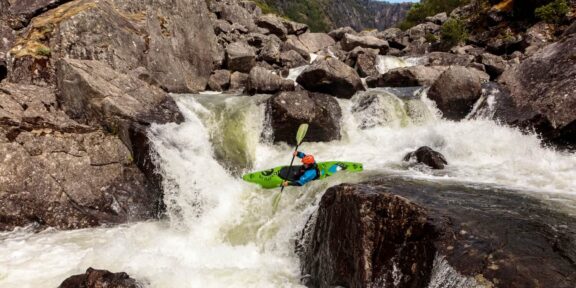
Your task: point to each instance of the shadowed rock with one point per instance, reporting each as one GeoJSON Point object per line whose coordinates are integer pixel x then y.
{"type": "Point", "coordinates": [455, 92]}
{"type": "Point", "coordinates": [406, 77]}
{"type": "Point", "coordinates": [240, 57]}
{"type": "Point", "coordinates": [219, 80]}
{"type": "Point", "coordinates": [261, 80]}
{"type": "Point", "coordinates": [288, 110]}
{"type": "Point", "coordinates": [94, 278]}
{"type": "Point", "coordinates": [427, 156]}
{"type": "Point", "coordinates": [331, 76]}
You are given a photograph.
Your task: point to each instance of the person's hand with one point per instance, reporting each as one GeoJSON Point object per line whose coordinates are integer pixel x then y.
{"type": "Point", "coordinates": [285, 183]}
{"type": "Point", "coordinates": [295, 153]}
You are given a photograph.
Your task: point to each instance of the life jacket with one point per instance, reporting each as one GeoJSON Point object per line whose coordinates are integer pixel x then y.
{"type": "Point", "coordinates": [303, 170]}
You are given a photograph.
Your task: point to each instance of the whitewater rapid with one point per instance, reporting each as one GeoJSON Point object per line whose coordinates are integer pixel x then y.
{"type": "Point", "coordinates": [221, 232]}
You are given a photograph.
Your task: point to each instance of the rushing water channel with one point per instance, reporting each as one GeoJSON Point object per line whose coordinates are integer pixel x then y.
{"type": "Point", "coordinates": [221, 232]}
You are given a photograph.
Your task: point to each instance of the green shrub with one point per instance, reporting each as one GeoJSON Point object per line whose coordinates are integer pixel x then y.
{"type": "Point", "coordinates": [43, 51]}
{"type": "Point", "coordinates": [431, 38]}
{"type": "Point", "coordinates": [418, 12]}
{"type": "Point", "coordinates": [553, 12]}
{"type": "Point", "coordinates": [453, 32]}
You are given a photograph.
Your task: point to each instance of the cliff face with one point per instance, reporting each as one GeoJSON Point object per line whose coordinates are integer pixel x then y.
{"type": "Point", "coordinates": [329, 14]}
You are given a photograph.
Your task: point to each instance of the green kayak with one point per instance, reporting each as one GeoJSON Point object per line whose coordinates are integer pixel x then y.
{"type": "Point", "coordinates": [274, 177]}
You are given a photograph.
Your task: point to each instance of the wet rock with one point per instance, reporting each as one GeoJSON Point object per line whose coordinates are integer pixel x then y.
{"type": "Point", "coordinates": [364, 232]}
{"type": "Point", "coordinates": [292, 59]}
{"type": "Point", "coordinates": [338, 34]}
{"type": "Point", "coordinates": [94, 278]}
{"type": "Point", "coordinates": [366, 65]}
{"type": "Point", "coordinates": [288, 110]}
{"type": "Point", "coordinates": [438, 19]}
{"type": "Point", "coordinates": [219, 80]}
{"type": "Point", "coordinates": [240, 57]}
{"type": "Point", "coordinates": [448, 59]}
{"type": "Point", "coordinates": [331, 76]}
{"type": "Point", "coordinates": [350, 42]}
{"type": "Point", "coordinates": [455, 92]}
{"type": "Point", "coordinates": [379, 108]}
{"type": "Point", "coordinates": [495, 65]}
{"type": "Point", "coordinates": [542, 90]}
{"type": "Point", "coordinates": [238, 81]}
{"type": "Point", "coordinates": [427, 156]}
{"type": "Point", "coordinates": [261, 80]}
{"type": "Point", "coordinates": [273, 24]}
{"type": "Point", "coordinates": [385, 236]}
{"type": "Point", "coordinates": [406, 77]}
{"type": "Point", "coordinates": [175, 65]}
{"type": "Point", "coordinates": [56, 172]}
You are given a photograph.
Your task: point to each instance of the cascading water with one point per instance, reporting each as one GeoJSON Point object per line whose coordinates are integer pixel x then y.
{"type": "Point", "coordinates": [221, 232]}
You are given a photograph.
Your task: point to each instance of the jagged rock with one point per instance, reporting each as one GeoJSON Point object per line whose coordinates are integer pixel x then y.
{"type": "Point", "coordinates": [99, 30]}
{"type": "Point", "coordinates": [455, 92]}
{"type": "Point", "coordinates": [421, 30]}
{"type": "Point", "coordinates": [94, 278]}
{"type": "Point", "coordinates": [288, 110]}
{"type": "Point", "coordinates": [331, 76]}
{"type": "Point", "coordinates": [292, 59]}
{"type": "Point", "coordinates": [3, 68]}
{"type": "Point", "coordinates": [352, 56]}
{"type": "Point", "coordinates": [56, 172]}
{"type": "Point", "coordinates": [494, 65]}
{"type": "Point", "coordinates": [542, 90]}
{"type": "Point", "coordinates": [238, 81]}
{"type": "Point", "coordinates": [505, 45]}
{"type": "Point", "coordinates": [448, 59]}
{"type": "Point", "coordinates": [219, 80]}
{"type": "Point", "coordinates": [538, 36]}
{"type": "Point", "coordinates": [240, 57]}
{"type": "Point", "coordinates": [406, 77]}
{"type": "Point", "coordinates": [438, 19]}
{"type": "Point", "coordinates": [19, 13]}
{"type": "Point", "coordinates": [366, 65]}
{"type": "Point", "coordinates": [427, 156]}
{"type": "Point", "coordinates": [339, 33]}
{"type": "Point", "coordinates": [350, 42]}
{"type": "Point", "coordinates": [222, 26]}
{"type": "Point", "coordinates": [313, 42]}
{"type": "Point", "coordinates": [270, 52]}
{"type": "Point", "coordinates": [294, 28]}
{"type": "Point", "coordinates": [261, 80]}
{"type": "Point", "coordinates": [396, 38]}
{"type": "Point", "coordinates": [234, 13]}
{"type": "Point", "coordinates": [404, 233]}
{"type": "Point", "coordinates": [273, 24]}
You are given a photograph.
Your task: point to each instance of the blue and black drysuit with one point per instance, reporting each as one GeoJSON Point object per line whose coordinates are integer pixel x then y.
{"type": "Point", "coordinates": [305, 174]}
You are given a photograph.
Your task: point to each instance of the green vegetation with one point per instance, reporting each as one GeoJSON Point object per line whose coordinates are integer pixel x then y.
{"type": "Point", "coordinates": [453, 32]}
{"type": "Point", "coordinates": [553, 12]}
{"type": "Point", "coordinates": [303, 11]}
{"type": "Point", "coordinates": [418, 13]}
{"type": "Point", "coordinates": [42, 50]}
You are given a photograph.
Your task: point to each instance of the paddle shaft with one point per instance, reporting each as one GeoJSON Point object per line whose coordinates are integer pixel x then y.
{"type": "Point", "coordinates": [290, 167]}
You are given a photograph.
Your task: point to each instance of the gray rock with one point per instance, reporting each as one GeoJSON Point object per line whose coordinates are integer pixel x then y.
{"type": "Point", "coordinates": [44, 154]}
{"type": "Point", "coordinates": [313, 42]}
{"type": "Point", "coordinates": [292, 59]}
{"type": "Point", "coordinates": [238, 81]}
{"type": "Point", "coordinates": [438, 19]}
{"type": "Point", "coordinates": [366, 65]}
{"type": "Point", "coordinates": [331, 76]}
{"type": "Point", "coordinates": [273, 24]}
{"type": "Point", "coordinates": [261, 80]}
{"type": "Point", "coordinates": [448, 59]}
{"type": "Point", "coordinates": [167, 46]}
{"type": "Point", "coordinates": [339, 33]}
{"type": "Point", "coordinates": [396, 38]}
{"type": "Point", "coordinates": [240, 57]}
{"type": "Point", "coordinates": [455, 92]}
{"type": "Point", "coordinates": [350, 42]}
{"type": "Point", "coordinates": [94, 278]}
{"type": "Point", "coordinates": [495, 65]}
{"type": "Point", "coordinates": [219, 80]}
{"type": "Point", "coordinates": [288, 110]}
{"type": "Point", "coordinates": [295, 28]}
{"type": "Point", "coordinates": [234, 13]}
{"type": "Point", "coordinates": [421, 30]}
{"type": "Point", "coordinates": [542, 90]}
{"type": "Point", "coordinates": [425, 155]}
{"type": "Point", "coordinates": [270, 52]}
{"type": "Point", "coordinates": [406, 77]}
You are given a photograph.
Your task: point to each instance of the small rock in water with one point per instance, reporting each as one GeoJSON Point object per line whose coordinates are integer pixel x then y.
{"type": "Point", "coordinates": [94, 278]}
{"type": "Point", "coordinates": [426, 155]}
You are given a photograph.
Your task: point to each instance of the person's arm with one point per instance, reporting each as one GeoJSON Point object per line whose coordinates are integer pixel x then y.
{"type": "Point", "coordinates": [299, 154]}
{"type": "Point", "coordinates": [307, 177]}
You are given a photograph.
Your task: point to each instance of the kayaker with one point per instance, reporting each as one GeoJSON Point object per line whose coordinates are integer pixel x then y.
{"type": "Point", "coordinates": [308, 172]}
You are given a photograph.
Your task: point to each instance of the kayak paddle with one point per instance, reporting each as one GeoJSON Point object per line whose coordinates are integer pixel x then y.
{"type": "Point", "coordinates": [302, 130]}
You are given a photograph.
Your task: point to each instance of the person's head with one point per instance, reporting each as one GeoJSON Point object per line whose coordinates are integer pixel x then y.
{"type": "Point", "coordinates": [308, 160]}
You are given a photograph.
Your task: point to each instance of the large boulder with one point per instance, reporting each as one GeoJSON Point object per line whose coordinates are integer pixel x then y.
{"type": "Point", "coordinates": [273, 24]}
{"type": "Point", "coordinates": [240, 57]}
{"type": "Point", "coordinates": [351, 41]}
{"type": "Point", "coordinates": [173, 40]}
{"type": "Point", "coordinates": [56, 172]}
{"type": "Point", "coordinates": [262, 80]}
{"type": "Point", "coordinates": [495, 65]}
{"type": "Point", "coordinates": [219, 80]}
{"type": "Point", "coordinates": [425, 155]}
{"type": "Point", "coordinates": [455, 92]}
{"type": "Point", "coordinates": [331, 76]}
{"type": "Point", "coordinates": [310, 42]}
{"type": "Point", "coordinates": [406, 77]}
{"type": "Point", "coordinates": [238, 81]}
{"type": "Point", "coordinates": [233, 12]}
{"type": "Point", "coordinates": [403, 233]}
{"type": "Point", "coordinates": [292, 59]}
{"type": "Point", "coordinates": [288, 110]}
{"type": "Point", "coordinates": [94, 278]}
{"type": "Point", "coordinates": [542, 90]}
{"type": "Point", "coordinates": [339, 33]}
{"type": "Point", "coordinates": [366, 65]}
